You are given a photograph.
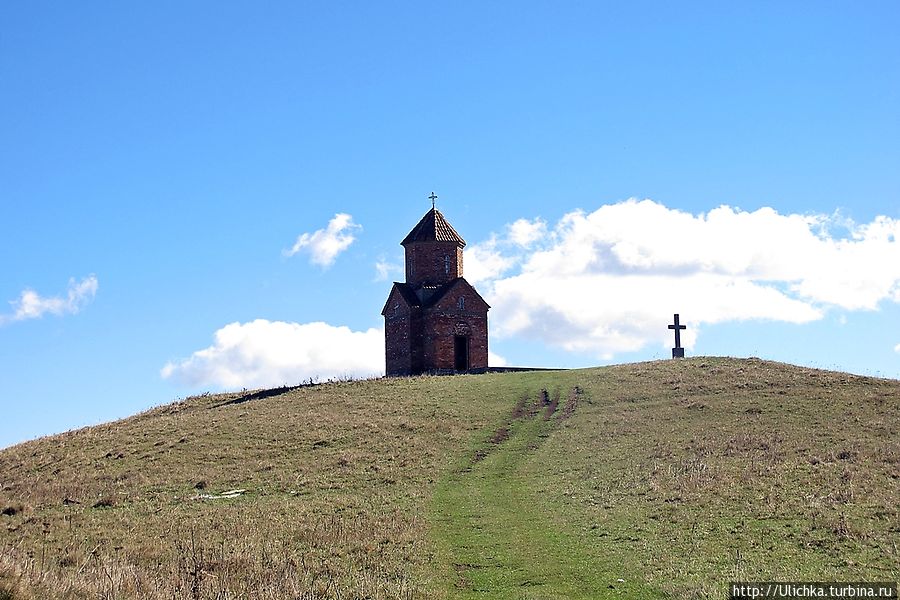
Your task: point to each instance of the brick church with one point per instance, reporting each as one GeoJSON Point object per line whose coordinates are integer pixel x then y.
{"type": "Point", "coordinates": [435, 321]}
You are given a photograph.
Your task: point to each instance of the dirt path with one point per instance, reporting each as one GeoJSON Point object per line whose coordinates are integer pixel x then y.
{"type": "Point", "coordinates": [496, 536]}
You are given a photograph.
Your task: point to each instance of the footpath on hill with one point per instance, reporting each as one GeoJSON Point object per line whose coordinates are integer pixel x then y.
{"type": "Point", "coordinates": [496, 536]}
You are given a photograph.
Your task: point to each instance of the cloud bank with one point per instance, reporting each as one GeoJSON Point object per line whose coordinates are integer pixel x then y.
{"type": "Point", "coordinates": [265, 353]}
{"type": "Point", "coordinates": [32, 305]}
{"type": "Point", "coordinates": [608, 281]}
{"type": "Point", "coordinates": [324, 245]}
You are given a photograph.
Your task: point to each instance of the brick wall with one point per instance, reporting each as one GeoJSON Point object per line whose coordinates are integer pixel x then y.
{"type": "Point", "coordinates": [446, 320]}
{"type": "Point", "coordinates": [423, 340]}
{"type": "Point", "coordinates": [397, 355]}
{"type": "Point", "coordinates": [426, 264]}
{"type": "Point", "coordinates": [440, 330]}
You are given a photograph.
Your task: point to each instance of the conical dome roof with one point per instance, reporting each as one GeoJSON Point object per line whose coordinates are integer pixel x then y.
{"type": "Point", "coordinates": [433, 228]}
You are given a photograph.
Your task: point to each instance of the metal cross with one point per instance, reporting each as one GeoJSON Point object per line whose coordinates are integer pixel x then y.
{"type": "Point", "coordinates": [432, 197]}
{"type": "Point", "coordinates": [677, 351]}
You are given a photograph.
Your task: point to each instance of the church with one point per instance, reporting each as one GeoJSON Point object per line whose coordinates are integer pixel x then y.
{"type": "Point", "coordinates": [434, 322]}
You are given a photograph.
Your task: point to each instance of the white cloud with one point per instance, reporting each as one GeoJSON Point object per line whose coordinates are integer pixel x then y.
{"type": "Point", "coordinates": [495, 360]}
{"type": "Point", "coordinates": [524, 232]}
{"type": "Point", "coordinates": [324, 245]}
{"type": "Point", "coordinates": [608, 281]}
{"type": "Point", "coordinates": [270, 353]}
{"type": "Point", "coordinates": [32, 305]}
{"type": "Point", "coordinates": [897, 348]}
{"type": "Point", "coordinates": [385, 270]}
{"type": "Point", "coordinates": [488, 260]}
{"type": "Point", "coordinates": [485, 261]}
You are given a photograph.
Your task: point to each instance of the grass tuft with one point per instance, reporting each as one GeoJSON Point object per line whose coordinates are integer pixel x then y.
{"type": "Point", "coordinates": [11, 510]}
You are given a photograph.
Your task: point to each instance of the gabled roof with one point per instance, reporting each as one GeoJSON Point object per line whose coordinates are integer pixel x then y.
{"type": "Point", "coordinates": [433, 228]}
{"type": "Point", "coordinates": [442, 291]}
{"type": "Point", "coordinates": [408, 293]}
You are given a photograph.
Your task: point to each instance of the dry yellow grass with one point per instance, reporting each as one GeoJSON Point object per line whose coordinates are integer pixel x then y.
{"type": "Point", "coordinates": [336, 478]}
{"type": "Point", "coordinates": [682, 474]}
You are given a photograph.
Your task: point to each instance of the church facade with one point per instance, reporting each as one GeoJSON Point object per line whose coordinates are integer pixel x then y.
{"type": "Point", "coordinates": [435, 321]}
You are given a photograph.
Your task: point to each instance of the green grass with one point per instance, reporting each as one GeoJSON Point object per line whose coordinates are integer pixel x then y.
{"type": "Point", "coordinates": [667, 479]}
{"type": "Point", "coordinates": [499, 537]}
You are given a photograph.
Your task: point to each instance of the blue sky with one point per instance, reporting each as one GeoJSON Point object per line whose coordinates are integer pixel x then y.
{"type": "Point", "coordinates": [159, 163]}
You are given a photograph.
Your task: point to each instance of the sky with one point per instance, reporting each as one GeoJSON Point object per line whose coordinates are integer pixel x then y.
{"type": "Point", "coordinates": [210, 196]}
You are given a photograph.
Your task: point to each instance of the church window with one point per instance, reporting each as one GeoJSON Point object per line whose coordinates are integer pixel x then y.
{"type": "Point", "coordinates": [462, 303]}
{"type": "Point", "coordinates": [447, 265]}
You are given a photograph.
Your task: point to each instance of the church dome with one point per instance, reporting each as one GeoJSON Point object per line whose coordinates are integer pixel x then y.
{"type": "Point", "coordinates": [433, 228]}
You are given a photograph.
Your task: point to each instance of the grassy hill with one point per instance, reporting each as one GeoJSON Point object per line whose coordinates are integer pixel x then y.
{"type": "Point", "coordinates": [664, 479]}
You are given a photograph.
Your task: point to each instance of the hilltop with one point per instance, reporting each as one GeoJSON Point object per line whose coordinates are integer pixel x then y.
{"type": "Point", "coordinates": [661, 479]}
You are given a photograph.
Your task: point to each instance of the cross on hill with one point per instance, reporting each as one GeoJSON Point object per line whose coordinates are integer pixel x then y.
{"type": "Point", "coordinates": [677, 351]}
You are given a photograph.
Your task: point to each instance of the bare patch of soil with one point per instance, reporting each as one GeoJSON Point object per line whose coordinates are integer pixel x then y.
{"type": "Point", "coordinates": [572, 402]}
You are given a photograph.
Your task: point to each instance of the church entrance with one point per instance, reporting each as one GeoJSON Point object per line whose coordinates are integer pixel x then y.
{"type": "Point", "coordinates": [460, 352]}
